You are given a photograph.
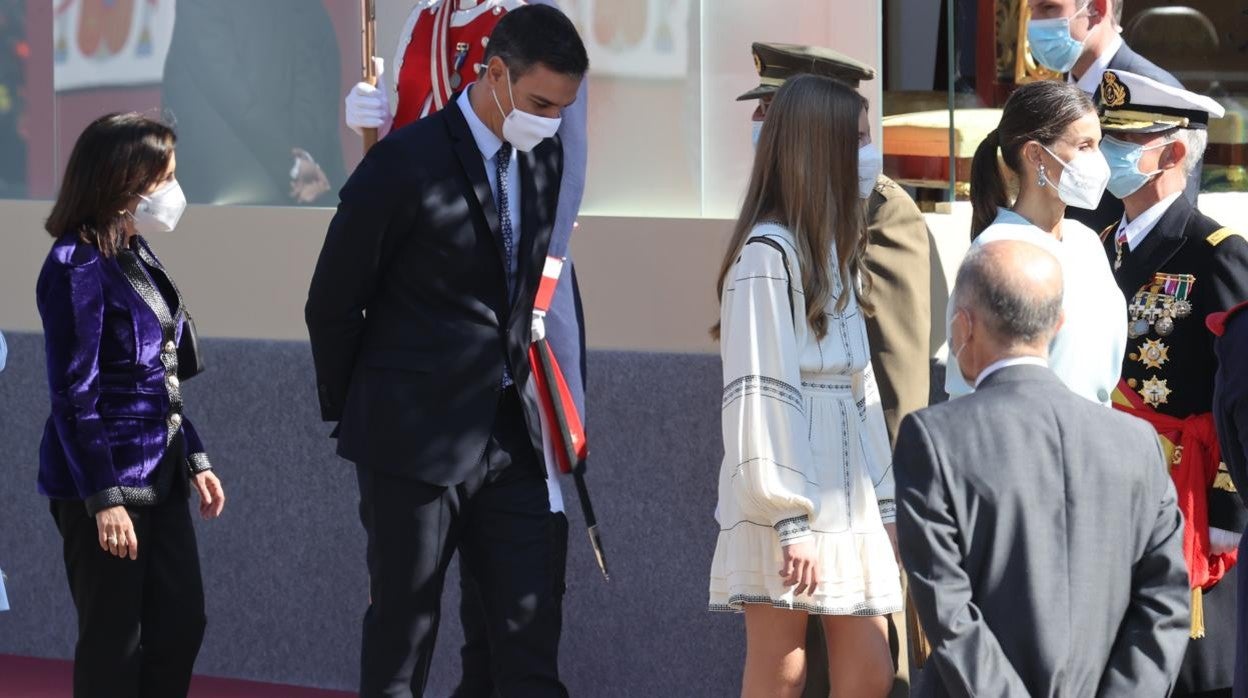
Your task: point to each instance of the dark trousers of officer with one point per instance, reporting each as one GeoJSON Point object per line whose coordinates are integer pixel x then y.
{"type": "Point", "coordinates": [140, 622]}
{"type": "Point", "coordinates": [476, 680]}
{"type": "Point", "coordinates": [499, 520]}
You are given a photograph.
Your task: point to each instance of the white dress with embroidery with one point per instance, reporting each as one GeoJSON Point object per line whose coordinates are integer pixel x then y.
{"type": "Point", "coordinates": [806, 451]}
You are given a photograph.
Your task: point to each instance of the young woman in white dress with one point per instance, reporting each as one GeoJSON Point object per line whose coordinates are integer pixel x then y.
{"type": "Point", "coordinates": [1049, 138]}
{"type": "Point", "coordinates": [806, 486]}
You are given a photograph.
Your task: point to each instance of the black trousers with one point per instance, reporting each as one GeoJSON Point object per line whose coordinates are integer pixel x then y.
{"type": "Point", "coordinates": [499, 521]}
{"type": "Point", "coordinates": [476, 680]}
{"type": "Point", "coordinates": [140, 622]}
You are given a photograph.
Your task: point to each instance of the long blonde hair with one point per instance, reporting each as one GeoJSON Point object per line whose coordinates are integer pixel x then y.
{"type": "Point", "coordinates": [805, 178]}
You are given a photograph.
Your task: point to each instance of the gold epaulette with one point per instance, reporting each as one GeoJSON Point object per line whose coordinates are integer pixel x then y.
{"type": "Point", "coordinates": [1216, 237]}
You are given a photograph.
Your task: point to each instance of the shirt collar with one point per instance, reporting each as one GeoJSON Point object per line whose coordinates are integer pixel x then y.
{"type": "Point", "coordinates": [1006, 363]}
{"type": "Point", "coordinates": [1091, 80]}
{"type": "Point", "coordinates": [1144, 223]}
{"type": "Point", "coordinates": [487, 142]}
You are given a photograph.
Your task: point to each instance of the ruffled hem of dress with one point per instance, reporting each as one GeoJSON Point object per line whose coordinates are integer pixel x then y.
{"type": "Point", "coordinates": [737, 602]}
{"type": "Point", "coordinates": [858, 573]}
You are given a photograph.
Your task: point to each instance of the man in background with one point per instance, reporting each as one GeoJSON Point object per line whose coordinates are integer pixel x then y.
{"type": "Point", "coordinates": [253, 89]}
{"type": "Point", "coordinates": [1083, 39]}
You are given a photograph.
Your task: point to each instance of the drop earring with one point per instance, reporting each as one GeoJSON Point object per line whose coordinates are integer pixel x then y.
{"type": "Point", "coordinates": [1044, 179]}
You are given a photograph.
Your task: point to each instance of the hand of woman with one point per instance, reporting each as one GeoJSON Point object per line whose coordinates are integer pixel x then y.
{"type": "Point", "coordinates": [117, 532]}
{"type": "Point", "coordinates": [211, 494]}
{"type": "Point", "coordinates": [800, 567]}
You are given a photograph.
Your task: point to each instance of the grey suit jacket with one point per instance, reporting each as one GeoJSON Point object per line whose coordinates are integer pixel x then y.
{"type": "Point", "coordinates": [1043, 544]}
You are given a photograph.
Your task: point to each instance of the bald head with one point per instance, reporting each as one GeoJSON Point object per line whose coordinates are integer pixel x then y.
{"type": "Point", "coordinates": [1014, 290]}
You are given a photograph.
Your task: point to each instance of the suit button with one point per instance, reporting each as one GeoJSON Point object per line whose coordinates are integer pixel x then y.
{"type": "Point", "coordinates": [170, 347]}
{"type": "Point", "coordinates": [1102, 395]}
{"type": "Point", "coordinates": [175, 419]}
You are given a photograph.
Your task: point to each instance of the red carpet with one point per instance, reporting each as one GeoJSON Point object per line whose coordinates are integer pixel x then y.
{"type": "Point", "coordinates": [27, 677]}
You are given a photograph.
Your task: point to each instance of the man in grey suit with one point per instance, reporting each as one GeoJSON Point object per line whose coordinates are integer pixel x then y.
{"type": "Point", "coordinates": [1039, 529]}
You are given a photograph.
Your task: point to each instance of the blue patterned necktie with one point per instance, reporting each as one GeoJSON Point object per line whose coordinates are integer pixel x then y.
{"type": "Point", "coordinates": [502, 159]}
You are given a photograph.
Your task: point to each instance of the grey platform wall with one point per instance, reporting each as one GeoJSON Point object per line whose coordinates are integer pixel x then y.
{"type": "Point", "coordinates": [284, 566]}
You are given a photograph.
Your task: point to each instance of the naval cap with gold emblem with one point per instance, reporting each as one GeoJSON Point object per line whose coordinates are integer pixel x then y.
{"type": "Point", "coordinates": [776, 63]}
{"type": "Point", "coordinates": [1131, 103]}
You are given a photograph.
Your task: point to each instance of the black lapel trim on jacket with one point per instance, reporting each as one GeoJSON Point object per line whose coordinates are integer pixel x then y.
{"type": "Point", "coordinates": [1161, 243]}
{"type": "Point", "coordinates": [132, 268]}
{"type": "Point", "coordinates": [470, 159]}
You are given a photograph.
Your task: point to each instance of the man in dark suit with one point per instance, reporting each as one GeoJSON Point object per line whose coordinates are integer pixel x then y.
{"type": "Point", "coordinates": [1230, 411]}
{"type": "Point", "coordinates": [1097, 26]}
{"type": "Point", "coordinates": [419, 315]}
{"type": "Point", "coordinates": [1039, 529]}
{"type": "Point", "coordinates": [253, 87]}
{"type": "Point", "coordinates": [1175, 266]}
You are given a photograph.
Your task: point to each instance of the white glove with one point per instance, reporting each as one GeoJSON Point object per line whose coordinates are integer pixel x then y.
{"type": "Point", "coordinates": [369, 106]}
{"type": "Point", "coordinates": [1223, 541]}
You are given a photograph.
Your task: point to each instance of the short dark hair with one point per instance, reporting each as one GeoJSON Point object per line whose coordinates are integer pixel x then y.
{"type": "Point", "coordinates": [1013, 311]}
{"type": "Point", "coordinates": [117, 157]}
{"type": "Point", "coordinates": [535, 34]}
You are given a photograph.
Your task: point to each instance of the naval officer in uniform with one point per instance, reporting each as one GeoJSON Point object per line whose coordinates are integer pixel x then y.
{"type": "Point", "coordinates": [1175, 266]}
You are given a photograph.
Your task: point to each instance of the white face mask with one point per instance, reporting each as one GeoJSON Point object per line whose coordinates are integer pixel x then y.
{"type": "Point", "coordinates": [160, 211]}
{"type": "Point", "coordinates": [870, 167]}
{"type": "Point", "coordinates": [756, 128]}
{"type": "Point", "coordinates": [521, 129]}
{"type": "Point", "coordinates": [1083, 179]}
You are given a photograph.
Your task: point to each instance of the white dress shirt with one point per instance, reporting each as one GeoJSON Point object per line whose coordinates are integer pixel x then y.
{"type": "Point", "coordinates": [489, 144]}
{"type": "Point", "coordinates": [1006, 363]}
{"type": "Point", "coordinates": [1091, 80]}
{"type": "Point", "coordinates": [1138, 229]}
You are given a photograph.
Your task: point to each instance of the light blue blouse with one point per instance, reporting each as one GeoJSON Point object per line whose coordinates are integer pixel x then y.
{"type": "Point", "coordinates": [1087, 352]}
{"type": "Point", "coordinates": [4, 351]}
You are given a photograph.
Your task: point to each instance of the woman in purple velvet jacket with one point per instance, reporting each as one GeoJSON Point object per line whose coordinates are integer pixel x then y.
{"type": "Point", "coordinates": [119, 456]}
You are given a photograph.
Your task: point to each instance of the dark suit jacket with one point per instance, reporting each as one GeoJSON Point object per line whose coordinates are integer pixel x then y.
{"type": "Point", "coordinates": [1110, 211]}
{"type": "Point", "coordinates": [408, 310]}
{"type": "Point", "coordinates": [1230, 411]}
{"type": "Point", "coordinates": [247, 82]}
{"type": "Point", "coordinates": [1043, 544]}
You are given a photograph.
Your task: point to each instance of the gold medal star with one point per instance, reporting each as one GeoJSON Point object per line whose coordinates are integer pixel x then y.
{"type": "Point", "coordinates": [1155, 392]}
{"type": "Point", "coordinates": [1153, 353]}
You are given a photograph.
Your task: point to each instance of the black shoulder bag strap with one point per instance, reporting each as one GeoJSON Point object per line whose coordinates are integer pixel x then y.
{"type": "Point", "coordinates": [771, 242]}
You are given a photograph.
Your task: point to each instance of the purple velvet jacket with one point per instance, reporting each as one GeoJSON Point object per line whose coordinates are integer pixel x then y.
{"type": "Point", "coordinates": [117, 433]}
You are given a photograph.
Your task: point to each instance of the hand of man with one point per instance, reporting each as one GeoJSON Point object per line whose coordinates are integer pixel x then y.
{"type": "Point", "coordinates": [307, 179]}
{"type": "Point", "coordinates": [800, 566]}
{"type": "Point", "coordinates": [117, 532]}
{"type": "Point", "coordinates": [211, 494]}
{"type": "Point", "coordinates": [368, 106]}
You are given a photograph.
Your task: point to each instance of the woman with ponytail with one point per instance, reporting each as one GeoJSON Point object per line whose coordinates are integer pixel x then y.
{"type": "Point", "coordinates": [1049, 139]}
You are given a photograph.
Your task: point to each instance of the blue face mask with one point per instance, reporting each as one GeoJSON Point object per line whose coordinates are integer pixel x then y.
{"type": "Point", "coordinates": [1051, 43]}
{"type": "Point", "coordinates": [1125, 177]}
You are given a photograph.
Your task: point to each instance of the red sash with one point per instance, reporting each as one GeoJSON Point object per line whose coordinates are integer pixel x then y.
{"type": "Point", "coordinates": [1194, 463]}
{"type": "Point", "coordinates": [567, 432]}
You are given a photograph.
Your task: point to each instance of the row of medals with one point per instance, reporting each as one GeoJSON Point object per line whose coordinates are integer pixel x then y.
{"type": "Point", "coordinates": [1161, 318]}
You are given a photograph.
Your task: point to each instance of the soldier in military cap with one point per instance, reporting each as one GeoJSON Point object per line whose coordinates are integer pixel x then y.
{"type": "Point", "coordinates": [897, 261]}
{"type": "Point", "coordinates": [1176, 266]}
